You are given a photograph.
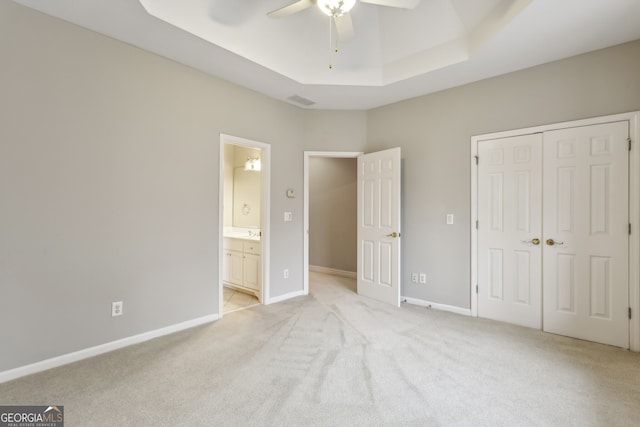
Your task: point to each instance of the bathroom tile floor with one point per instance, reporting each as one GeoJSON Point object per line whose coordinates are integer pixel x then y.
{"type": "Point", "coordinates": [236, 300]}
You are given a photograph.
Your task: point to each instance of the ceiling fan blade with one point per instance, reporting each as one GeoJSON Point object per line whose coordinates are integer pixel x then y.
{"type": "Point", "coordinates": [290, 9]}
{"type": "Point", "coordinates": [402, 4]}
{"type": "Point", "coordinates": [344, 27]}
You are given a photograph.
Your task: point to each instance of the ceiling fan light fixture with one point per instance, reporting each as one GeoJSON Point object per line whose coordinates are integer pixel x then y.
{"type": "Point", "coordinates": [335, 8]}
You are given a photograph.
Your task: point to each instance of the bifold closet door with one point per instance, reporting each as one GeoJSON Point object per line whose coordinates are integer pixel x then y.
{"type": "Point", "coordinates": [586, 233]}
{"type": "Point", "coordinates": [509, 231]}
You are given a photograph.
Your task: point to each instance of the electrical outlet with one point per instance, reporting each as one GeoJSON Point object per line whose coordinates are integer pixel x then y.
{"type": "Point", "coordinates": [116, 308]}
{"type": "Point", "coordinates": [285, 273]}
{"type": "Point", "coordinates": [423, 278]}
{"type": "Point", "coordinates": [414, 277]}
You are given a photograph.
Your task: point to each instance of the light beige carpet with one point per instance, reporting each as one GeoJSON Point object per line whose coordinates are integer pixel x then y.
{"type": "Point", "coordinates": [337, 359]}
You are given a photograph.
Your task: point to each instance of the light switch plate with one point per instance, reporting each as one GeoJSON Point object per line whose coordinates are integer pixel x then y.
{"type": "Point", "coordinates": [449, 219]}
{"type": "Point", "coordinates": [288, 216]}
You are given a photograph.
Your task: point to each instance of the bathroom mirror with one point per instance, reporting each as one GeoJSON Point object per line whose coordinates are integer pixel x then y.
{"type": "Point", "coordinates": [246, 198]}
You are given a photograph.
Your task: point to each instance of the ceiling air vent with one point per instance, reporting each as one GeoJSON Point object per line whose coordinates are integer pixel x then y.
{"type": "Point", "coordinates": [300, 100]}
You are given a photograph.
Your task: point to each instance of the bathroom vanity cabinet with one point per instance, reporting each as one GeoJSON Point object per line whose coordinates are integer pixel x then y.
{"type": "Point", "coordinates": [242, 265]}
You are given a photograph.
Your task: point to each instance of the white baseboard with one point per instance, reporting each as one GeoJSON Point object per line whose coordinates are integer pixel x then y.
{"type": "Point", "coordinates": [54, 362]}
{"type": "Point", "coordinates": [436, 306]}
{"type": "Point", "coordinates": [333, 271]}
{"type": "Point", "coordinates": [284, 297]}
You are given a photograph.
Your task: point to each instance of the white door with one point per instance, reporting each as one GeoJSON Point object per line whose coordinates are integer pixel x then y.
{"type": "Point", "coordinates": [379, 226]}
{"type": "Point", "coordinates": [567, 269]}
{"type": "Point", "coordinates": [509, 232]}
{"type": "Point", "coordinates": [586, 232]}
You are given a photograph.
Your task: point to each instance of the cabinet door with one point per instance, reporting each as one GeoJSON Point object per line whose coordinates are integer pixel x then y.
{"type": "Point", "coordinates": [252, 271]}
{"type": "Point", "coordinates": [233, 267]}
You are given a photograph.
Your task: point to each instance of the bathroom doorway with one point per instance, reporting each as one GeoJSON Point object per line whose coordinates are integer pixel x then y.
{"type": "Point", "coordinates": [244, 188]}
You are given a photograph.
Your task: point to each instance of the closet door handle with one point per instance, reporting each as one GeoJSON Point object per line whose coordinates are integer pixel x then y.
{"type": "Point", "coordinates": [535, 241]}
{"type": "Point", "coordinates": [552, 242]}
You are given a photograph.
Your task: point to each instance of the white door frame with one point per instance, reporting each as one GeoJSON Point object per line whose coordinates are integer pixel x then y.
{"type": "Point", "coordinates": [265, 208]}
{"type": "Point", "coordinates": [307, 160]}
{"type": "Point", "coordinates": [634, 208]}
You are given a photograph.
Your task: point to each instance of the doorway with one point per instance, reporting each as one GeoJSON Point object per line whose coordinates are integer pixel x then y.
{"type": "Point", "coordinates": [317, 163]}
{"type": "Point", "coordinates": [378, 234]}
{"type": "Point", "coordinates": [552, 245]}
{"type": "Point", "coordinates": [243, 223]}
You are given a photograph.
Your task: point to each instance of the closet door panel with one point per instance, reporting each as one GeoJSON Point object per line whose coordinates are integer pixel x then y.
{"type": "Point", "coordinates": [585, 217]}
{"type": "Point", "coordinates": [509, 230]}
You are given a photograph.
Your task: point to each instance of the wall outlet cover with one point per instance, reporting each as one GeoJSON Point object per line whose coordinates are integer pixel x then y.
{"type": "Point", "coordinates": [116, 308]}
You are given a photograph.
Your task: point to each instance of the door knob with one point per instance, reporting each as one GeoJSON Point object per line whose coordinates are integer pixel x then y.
{"type": "Point", "coordinates": [535, 241]}
{"type": "Point", "coordinates": [552, 242]}
{"type": "Point", "coordinates": [394, 234]}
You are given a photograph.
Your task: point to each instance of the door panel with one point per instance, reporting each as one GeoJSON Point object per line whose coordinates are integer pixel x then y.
{"type": "Point", "coordinates": [586, 215]}
{"type": "Point", "coordinates": [379, 226]}
{"type": "Point", "coordinates": [580, 213]}
{"type": "Point", "coordinates": [509, 216]}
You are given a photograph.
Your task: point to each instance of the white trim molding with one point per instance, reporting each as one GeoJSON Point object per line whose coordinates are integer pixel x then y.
{"type": "Point", "coordinates": [285, 297]}
{"type": "Point", "coordinates": [86, 353]}
{"type": "Point", "coordinates": [634, 240]}
{"type": "Point", "coordinates": [436, 306]}
{"type": "Point", "coordinates": [633, 118]}
{"type": "Point", "coordinates": [333, 271]}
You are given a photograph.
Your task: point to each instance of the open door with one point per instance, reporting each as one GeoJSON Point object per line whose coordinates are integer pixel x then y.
{"type": "Point", "coordinates": [379, 226]}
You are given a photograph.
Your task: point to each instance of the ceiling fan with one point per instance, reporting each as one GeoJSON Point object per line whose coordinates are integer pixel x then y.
{"type": "Point", "coordinates": [339, 11]}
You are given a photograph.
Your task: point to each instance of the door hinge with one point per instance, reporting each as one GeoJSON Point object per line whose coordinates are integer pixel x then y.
{"type": "Point", "coordinates": [629, 141]}
{"type": "Point", "coordinates": [476, 289]}
{"type": "Point", "coordinates": [477, 159]}
{"type": "Point", "coordinates": [629, 312]}
{"type": "Point", "coordinates": [629, 229]}
{"type": "Point", "coordinates": [476, 224]}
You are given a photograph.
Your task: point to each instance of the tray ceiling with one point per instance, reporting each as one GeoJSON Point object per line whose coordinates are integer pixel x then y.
{"type": "Point", "coordinates": [395, 54]}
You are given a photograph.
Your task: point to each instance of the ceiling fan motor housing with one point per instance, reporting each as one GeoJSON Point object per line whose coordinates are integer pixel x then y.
{"type": "Point", "coordinates": [336, 8]}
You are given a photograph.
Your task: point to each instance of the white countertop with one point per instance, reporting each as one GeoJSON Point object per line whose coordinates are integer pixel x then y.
{"type": "Point", "coordinates": [243, 236]}
{"type": "Point", "coordinates": [252, 234]}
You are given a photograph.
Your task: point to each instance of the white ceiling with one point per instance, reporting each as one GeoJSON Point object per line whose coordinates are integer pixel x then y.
{"type": "Point", "coordinates": [395, 54]}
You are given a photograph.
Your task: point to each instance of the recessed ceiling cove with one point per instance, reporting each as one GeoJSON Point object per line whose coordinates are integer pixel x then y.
{"type": "Point", "coordinates": [386, 44]}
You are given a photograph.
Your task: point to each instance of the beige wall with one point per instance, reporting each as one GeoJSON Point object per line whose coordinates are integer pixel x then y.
{"type": "Point", "coordinates": [434, 132]}
{"type": "Point", "coordinates": [109, 176]}
{"type": "Point", "coordinates": [333, 213]}
{"type": "Point", "coordinates": [109, 172]}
